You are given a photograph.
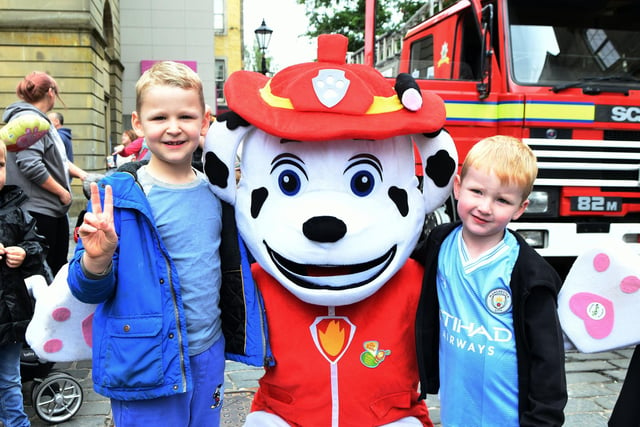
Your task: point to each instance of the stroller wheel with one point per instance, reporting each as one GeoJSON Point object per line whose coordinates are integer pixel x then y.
{"type": "Point", "coordinates": [57, 398]}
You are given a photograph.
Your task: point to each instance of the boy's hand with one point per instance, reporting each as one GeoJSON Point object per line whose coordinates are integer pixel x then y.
{"type": "Point", "coordinates": [13, 255]}
{"type": "Point", "coordinates": [97, 232]}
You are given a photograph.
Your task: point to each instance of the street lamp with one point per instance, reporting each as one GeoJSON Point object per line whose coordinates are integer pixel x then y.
{"type": "Point", "coordinates": [263, 35]}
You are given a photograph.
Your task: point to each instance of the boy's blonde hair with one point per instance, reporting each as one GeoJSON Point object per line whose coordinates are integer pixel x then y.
{"type": "Point", "coordinates": [169, 73]}
{"type": "Point", "coordinates": [510, 159]}
{"type": "Point", "coordinates": [3, 147]}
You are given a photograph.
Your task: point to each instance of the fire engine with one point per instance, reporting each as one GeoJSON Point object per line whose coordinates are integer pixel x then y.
{"type": "Point", "coordinates": [564, 76]}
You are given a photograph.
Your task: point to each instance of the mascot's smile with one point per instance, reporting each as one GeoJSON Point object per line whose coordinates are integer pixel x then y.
{"type": "Point", "coordinates": [331, 277]}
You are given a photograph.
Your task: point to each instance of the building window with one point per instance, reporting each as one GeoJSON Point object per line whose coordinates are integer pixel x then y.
{"type": "Point", "coordinates": [219, 19]}
{"type": "Point", "coordinates": [221, 78]}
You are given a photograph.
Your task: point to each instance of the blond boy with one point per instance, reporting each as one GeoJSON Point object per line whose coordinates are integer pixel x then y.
{"type": "Point", "coordinates": [489, 339]}
{"type": "Point", "coordinates": [149, 255]}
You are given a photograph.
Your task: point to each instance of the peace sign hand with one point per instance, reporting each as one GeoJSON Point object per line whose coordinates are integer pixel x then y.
{"type": "Point", "coordinates": [98, 233]}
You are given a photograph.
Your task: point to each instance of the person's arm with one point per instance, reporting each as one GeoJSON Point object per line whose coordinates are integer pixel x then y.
{"type": "Point", "coordinates": [77, 172]}
{"type": "Point", "coordinates": [132, 148]}
{"type": "Point", "coordinates": [52, 186]}
{"type": "Point", "coordinates": [31, 165]}
{"type": "Point", "coordinates": [547, 383]}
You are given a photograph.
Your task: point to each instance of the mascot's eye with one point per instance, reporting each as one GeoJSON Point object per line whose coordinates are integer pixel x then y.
{"type": "Point", "coordinates": [289, 182]}
{"type": "Point", "coordinates": [362, 183]}
{"type": "Point", "coordinates": [289, 174]}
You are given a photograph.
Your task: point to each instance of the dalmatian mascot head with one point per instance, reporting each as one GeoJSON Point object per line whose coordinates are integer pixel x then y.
{"type": "Point", "coordinates": [328, 201]}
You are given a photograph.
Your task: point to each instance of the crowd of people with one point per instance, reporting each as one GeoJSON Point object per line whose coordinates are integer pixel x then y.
{"type": "Point", "coordinates": [172, 370]}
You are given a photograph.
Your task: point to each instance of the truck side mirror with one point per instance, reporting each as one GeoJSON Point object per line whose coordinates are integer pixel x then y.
{"type": "Point", "coordinates": [484, 87]}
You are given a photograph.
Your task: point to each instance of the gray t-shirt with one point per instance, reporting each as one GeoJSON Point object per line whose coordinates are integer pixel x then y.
{"type": "Point", "coordinates": [189, 218]}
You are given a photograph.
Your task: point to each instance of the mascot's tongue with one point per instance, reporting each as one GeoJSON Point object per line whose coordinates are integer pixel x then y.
{"type": "Point", "coordinates": [318, 271]}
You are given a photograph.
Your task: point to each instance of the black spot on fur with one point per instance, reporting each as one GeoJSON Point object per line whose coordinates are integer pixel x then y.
{"type": "Point", "coordinates": [440, 167]}
{"type": "Point", "coordinates": [233, 120]}
{"type": "Point", "coordinates": [433, 134]}
{"type": "Point", "coordinates": [258, 197]}
{"type": "Point", "coordinates": [399, 197]}
{"type": "Point", "coordinates": [324, 229]}
{"type": "Point", "coordinates": [216, 170]}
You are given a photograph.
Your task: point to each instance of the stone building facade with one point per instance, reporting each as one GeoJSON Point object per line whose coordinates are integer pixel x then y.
{"type": "Point", "coordinates": [77, 43]}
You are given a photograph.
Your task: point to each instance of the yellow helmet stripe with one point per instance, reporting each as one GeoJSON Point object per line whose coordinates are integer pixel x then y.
{"type": "Point", "coordinates": [380, 104]}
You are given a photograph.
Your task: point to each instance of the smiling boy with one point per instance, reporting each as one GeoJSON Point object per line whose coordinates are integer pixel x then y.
{"type": "Point", "coordinates": [149, 255]}
{"type": "Point", "coordinates": [489, 338]}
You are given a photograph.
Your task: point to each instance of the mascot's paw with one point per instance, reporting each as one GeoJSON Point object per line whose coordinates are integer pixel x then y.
{"type": "Point", "coordinates": [60, 330]}
{"type": "Point", "coordinates": [598, 303]}
{"type": "Point", "coordinates": [24, 131]}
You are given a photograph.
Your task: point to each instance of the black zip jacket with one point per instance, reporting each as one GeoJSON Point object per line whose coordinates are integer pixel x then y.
{"type": "Point", "coordinates": [17, 228]}
{"type": "Point", "coordinates": [534, 285]}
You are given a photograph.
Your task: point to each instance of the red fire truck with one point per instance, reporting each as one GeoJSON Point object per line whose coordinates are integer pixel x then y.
{"type": "Point", "coordinates": [563, 75]}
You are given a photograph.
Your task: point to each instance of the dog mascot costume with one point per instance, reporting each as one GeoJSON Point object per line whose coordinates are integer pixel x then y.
{"type": "Point", "coordinates": [329, 206]}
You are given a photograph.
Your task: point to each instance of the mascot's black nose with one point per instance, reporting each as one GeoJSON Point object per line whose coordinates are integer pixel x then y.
{"type": "Point", "coordinates": [324, 229]}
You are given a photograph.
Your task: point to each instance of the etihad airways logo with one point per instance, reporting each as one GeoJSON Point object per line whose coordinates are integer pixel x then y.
{"type": "Point", "coordinates": [469, 336]}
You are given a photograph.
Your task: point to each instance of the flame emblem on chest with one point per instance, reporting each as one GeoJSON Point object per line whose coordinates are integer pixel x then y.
{"type": "Point", "coordinates": [332, 336]}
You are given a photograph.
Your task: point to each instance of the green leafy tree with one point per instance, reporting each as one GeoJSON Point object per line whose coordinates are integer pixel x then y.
{"type": "Point", "coordinates": [347, 17]}
{"type": "Point", "coordinates": [253, 58]}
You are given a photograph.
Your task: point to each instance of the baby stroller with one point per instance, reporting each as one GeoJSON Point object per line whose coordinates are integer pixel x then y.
{"type": "Point", "coordinates": [56, 396]}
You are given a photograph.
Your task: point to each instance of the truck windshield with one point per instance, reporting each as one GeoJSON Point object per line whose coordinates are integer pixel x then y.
{"type": "Point", "coordinates": [564, 43]}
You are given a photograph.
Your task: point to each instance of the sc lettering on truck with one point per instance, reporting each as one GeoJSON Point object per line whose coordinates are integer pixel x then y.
{"type": "Point", "coordinates": [625, 114]}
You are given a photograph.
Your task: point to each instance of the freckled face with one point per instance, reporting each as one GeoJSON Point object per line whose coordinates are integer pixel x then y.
{"type": "Point", "coordinates": [486, 206]}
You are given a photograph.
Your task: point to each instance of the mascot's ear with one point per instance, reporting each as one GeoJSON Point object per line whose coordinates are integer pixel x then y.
{"type": "Point", "coordinates": [439, 160]}
{"type": "Point", "coordinates": [220, 147]}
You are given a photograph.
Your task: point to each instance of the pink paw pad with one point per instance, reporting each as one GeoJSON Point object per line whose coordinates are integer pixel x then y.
{"type": "Point", "coordinates": [62, 314]}
{"type": "Point", "coordinates": [87, 329]}
{"type": "Point", "coordinates": [595, 311]}
{"type": "Point", "coordinates": [630, 284]}
{"type": "Point", "coordinates": [54, 345]}
{"type": "Point", "coordinates": [601, 262]}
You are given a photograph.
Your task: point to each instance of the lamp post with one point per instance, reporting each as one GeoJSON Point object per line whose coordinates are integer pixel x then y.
{"type": "Point", "coordinates": [263, 35]}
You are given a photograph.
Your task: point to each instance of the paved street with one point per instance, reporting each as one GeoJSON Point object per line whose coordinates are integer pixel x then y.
{"type": "Point", "coordinates": [594, 381]}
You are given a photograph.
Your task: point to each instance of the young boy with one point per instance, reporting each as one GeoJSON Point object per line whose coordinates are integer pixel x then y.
{"type": "Point", "coordinates": [22, 254]}
{"type": "Point", "coordinates": [488, 333]}
{"type": "Point", "coordinates": [150, 257]}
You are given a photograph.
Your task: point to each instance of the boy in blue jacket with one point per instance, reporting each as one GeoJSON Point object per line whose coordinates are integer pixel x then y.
{"type": "Point", "coordinates": [150, 255]}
